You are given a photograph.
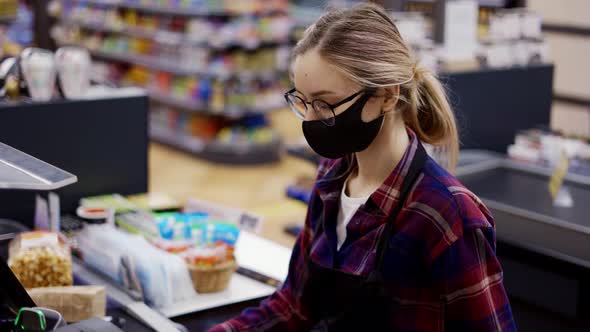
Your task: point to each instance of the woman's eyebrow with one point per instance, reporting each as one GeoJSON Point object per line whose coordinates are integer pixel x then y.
{"type": "Point", "coordinates": [316, 94]}
{"type": "Point", "coordinates": [321, 93]}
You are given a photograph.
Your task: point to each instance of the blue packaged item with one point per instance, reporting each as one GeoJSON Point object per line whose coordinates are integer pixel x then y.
{"type": "Point", "coordinates": [179, 225]}
{"type": "Point", "coordinates": [227, 233]}
{"type": "Point", "coordinates": [166, 228]}
{"type": "Point", "coordinates": [192, 219]}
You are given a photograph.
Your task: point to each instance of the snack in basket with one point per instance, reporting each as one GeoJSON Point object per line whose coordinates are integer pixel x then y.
{"type": "Point", "coordinates": [41, 259]}
{"type": "Point", "coordinates": [211, 267]}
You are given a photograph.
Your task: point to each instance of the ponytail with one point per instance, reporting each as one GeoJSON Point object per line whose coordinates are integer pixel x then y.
{"type": "Point", "coordinates": [430, 116]}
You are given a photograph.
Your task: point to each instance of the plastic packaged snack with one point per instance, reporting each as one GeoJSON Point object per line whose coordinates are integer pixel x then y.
{"type": "Point", "coordinates": [211, 266]}
{"type": "Point", "coordinates": [41, 259]}
{"type": "Point", "coordinates": [218, 231]}
{"type": "Point", "coordinates": [177, 226]}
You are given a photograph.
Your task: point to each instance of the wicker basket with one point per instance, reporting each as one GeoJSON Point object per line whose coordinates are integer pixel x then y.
{"type": "Point", "coordinates": [210, 279]}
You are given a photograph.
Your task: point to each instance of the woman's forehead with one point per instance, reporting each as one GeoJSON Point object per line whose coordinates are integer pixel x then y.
{"type": "Point", "coordinates": [311, 73]}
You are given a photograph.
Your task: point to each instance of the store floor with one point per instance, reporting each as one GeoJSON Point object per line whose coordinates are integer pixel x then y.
{"type": "Point", "coordinates": [259, 189]}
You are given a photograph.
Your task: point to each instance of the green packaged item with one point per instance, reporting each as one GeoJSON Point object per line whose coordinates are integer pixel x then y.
{"type": "Point", "coordinates": [115, 201]}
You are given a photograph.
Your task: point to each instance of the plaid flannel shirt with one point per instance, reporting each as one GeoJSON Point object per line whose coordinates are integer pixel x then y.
{"type": "Point", "coordinates": [440, 268]}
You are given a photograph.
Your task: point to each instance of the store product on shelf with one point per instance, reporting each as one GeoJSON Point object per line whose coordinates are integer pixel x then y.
{"type": "Point", "coordinates": [232, 97]}
{"type": "Point", "coordinates": [252, 130]}
{"type": "Point", "coordinates": [162, 53]}
{"type": "Point", "coordinates": [16, 27]}
{"type": "Point", "coordinates": [507, 37]}
{"type": "Point", "coordinates": [41, 259]}
{"type": "Point", "coordinates": [240, 31]}
{"type": "Point", "coordinates": [227, 59]}
{"type": "Point", "coordinates": [195, 7]}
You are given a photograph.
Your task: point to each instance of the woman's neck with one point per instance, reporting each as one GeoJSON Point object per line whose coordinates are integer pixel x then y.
{"type": "Point", "coordinates": [375, 163]}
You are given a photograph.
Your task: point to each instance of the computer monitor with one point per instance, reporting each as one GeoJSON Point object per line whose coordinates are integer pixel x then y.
{"type": "Point", "coordinates": [104, 142]}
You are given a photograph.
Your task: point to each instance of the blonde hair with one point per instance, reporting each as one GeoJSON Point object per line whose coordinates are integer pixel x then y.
{"type": "Point", "coordinates": [364, 43]}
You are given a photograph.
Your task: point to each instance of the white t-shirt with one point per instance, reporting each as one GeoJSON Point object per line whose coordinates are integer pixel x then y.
{"type": "Point", "coordinates": [348, 207]}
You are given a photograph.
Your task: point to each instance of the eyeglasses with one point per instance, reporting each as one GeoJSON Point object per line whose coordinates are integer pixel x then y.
{"type": "Point", "coordinates": [323, 110]}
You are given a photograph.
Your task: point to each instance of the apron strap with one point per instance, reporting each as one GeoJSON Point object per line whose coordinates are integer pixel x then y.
{"type": "Point", "coordinates": [415, 169]}
{"type": "Point", "coordinates": [411, 177]}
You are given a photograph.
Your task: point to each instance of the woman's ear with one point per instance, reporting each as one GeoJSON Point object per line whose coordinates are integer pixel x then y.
{"type": "Point", "coordinates": [390, 99]}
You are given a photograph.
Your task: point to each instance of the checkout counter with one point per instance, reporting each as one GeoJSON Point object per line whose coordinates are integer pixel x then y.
{"type": "Point", "coordinates": [543, 248]}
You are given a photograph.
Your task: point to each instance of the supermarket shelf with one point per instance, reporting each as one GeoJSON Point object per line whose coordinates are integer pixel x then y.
{"type": "Point", "coordinates": [483, 3]}
{"type": "Point", "coordinates": [179, 10]}
{"type": "Point", "coordinates": [175, 68]}
{"type": "Point", "coordinates": [196, 107]}
{"type": "Point", "coordinates": [238, 154]}
{"type": "Point", "coordinates": [168, 35]}
{"type": "Point", "coordinates": [147, 61]}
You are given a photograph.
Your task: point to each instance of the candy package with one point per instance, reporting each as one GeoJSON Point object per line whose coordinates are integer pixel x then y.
{"type": "Point", "coordinates": [41, 259]}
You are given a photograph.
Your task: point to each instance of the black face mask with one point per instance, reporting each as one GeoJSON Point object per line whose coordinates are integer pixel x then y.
{"type": "Point", "coordinates": [349, 133]}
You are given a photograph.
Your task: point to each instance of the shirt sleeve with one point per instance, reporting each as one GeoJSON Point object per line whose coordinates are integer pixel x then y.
{"type": "Point", "coordinates": [282, 311]}
{"type": "Point", "coordinates": [473, 293]}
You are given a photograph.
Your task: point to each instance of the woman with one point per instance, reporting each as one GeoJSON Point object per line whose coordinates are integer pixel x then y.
{"type": "Point", "coordinates": [392, 242]}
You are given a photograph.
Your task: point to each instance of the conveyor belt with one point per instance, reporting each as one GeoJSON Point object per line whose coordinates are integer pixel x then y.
{"type": "Point", "coordinates": [519, 199]}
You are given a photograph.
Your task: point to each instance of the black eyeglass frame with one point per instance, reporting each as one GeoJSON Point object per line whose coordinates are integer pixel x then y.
{"type": "Point", "coordinates": [289, 94]}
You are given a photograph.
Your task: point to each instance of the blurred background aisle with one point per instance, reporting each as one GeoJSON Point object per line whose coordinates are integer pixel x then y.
{"type": "Point", "coordinates": [171, 113]}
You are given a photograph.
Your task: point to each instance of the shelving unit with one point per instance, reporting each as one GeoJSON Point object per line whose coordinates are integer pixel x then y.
{"type": "Point", "coordinates": [148, 34]}
{"type": "Point", "coordinates": [238, 107]}
{"type": "Point", "coordinates": [219, 152]}
{"type": "Point", "coordinates": [173, 67]}
{"type": "Point", "coordinates": [156, 9]}
{"type": "Point", "coordinates": [195, 107]}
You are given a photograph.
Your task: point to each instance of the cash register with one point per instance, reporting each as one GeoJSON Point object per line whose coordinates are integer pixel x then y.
{"type": "Point", "coordinates": [18, 312]}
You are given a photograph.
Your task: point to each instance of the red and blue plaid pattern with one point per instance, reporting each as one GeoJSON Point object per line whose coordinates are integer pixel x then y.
{"type": "Point", "coordinates": [440, 268]}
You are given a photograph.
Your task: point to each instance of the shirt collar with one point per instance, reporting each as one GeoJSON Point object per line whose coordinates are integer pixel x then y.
{"type": "Point", "coordinates": [382, 201]}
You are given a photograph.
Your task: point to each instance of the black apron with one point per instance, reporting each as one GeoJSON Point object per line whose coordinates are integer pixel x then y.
{"type": "Point", "coordinates": [340, 301]}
